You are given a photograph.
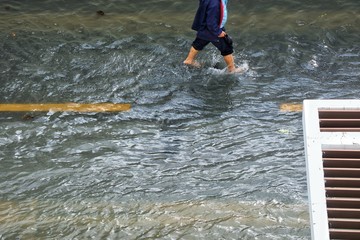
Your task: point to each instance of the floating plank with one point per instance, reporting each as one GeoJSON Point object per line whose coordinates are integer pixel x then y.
{"type": "Point", "coordinates": [291, 107]}
{"type": "Point", "coordinates": [65, 107]}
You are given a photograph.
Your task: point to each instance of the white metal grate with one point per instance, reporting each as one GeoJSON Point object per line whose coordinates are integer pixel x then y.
{"type": "Point", "coordinates": [332, 146]}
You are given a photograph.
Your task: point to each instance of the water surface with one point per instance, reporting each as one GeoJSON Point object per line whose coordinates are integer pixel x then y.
{"type": "Point", "coordinates": [201, 155]}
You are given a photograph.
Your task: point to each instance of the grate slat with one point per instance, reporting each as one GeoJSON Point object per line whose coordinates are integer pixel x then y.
{"type": "Point", "coordinates": [339, 123]}
{"type": "Point", "coordinates": [341, 153]}
{"type": "Point", "coordinates": [342, 192]}
{"type": "Point", "coordinates": [350, 234]}
{"type": "Point", "coordinates": [343, 213]}
{"type": "Point", "coordinates": [342, 182]}
{"type": "Point", "coordinates": [339, 113]}
{"type": "Point", "coordinates": [344, 223]}
{"type": "Point", "coordinates": [341, 162]}
{"type": "Point", "coordinates": [343, 202]}
{"type": "Point", "coordinates": [342, 172]}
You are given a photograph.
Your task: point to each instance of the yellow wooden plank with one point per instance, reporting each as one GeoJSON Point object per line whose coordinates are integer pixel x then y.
{"type": "Point", "coordinates": [291, 107]}
{"type": "Point", "coordinates": [65, 107]}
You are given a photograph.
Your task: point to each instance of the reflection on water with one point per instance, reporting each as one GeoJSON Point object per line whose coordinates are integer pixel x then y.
{"type": "Point", "coordinates": [141, 219]}
{"type": "Point", "coordinates": [202, 154]}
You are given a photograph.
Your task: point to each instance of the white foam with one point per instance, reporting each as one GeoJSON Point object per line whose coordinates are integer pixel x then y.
{"type": "Point", "coordinates": [244, 69]}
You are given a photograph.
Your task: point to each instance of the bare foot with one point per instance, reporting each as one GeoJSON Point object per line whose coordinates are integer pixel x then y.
{"type": "Point", "coordinates": [195, 64]}
{"type": "Point", "coordinates": [238, 70]}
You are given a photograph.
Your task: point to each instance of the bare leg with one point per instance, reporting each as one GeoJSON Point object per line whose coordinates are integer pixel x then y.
{"type": "Point", "coordinates": [229, 60]}
{"type": "Point", "coordinates": [190, 60]}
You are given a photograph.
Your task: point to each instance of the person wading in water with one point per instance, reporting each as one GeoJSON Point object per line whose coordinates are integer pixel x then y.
{"type": "Point", "coordinates": [209, 22]}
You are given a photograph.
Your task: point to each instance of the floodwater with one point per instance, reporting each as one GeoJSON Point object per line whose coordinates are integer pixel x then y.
{"type": "Point", "coordinates": [201, 154]}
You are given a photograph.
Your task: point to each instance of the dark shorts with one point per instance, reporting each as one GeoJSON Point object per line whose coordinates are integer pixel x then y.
{"type": "Point", "coordinates": [224, 47]}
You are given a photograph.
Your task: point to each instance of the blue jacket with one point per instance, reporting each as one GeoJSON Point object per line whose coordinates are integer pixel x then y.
{"type": "Point", "coordinates": [208, 19]}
